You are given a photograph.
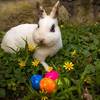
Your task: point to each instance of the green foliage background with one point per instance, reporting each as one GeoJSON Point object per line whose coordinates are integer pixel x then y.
{"type": "Point", "coordinates": [85, 39]}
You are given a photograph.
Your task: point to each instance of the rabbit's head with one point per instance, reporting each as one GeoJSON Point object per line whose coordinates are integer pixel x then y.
{"type": "Point", "coordinates": [48, 32]}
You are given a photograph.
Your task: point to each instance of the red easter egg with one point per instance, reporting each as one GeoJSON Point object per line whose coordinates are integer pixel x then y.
{"type": "Point", "coordinates": [48, 85]}
{"type": "Point", "coordinates": [52, 74]}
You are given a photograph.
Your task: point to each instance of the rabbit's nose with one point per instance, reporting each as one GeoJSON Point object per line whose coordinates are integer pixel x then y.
{"type": "Point", "coordinates": [41, 41]}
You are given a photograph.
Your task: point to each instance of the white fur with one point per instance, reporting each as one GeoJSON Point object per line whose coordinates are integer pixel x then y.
{"type": "Point", "coordinates": [51, 41]}
{"type": "Point", "coordinates": [16, 36]}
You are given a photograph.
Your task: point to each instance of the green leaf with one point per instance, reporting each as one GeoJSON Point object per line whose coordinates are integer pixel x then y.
{"type": "Point", "coordinates": [97, 63]}
{"type": "Point", "coordinates": [2, 92]}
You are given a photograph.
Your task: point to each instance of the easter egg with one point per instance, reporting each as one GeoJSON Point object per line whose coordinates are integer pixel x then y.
{"type": "Point", "coordinates": [52, 74]}
{"type": "Point", "coordinates": [48, 85]}
{"type": "Point", "coordinates": [35, 81]}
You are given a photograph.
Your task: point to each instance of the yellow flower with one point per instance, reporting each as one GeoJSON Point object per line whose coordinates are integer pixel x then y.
{"type": "Point", "coordinates": [61, 26]}
{"type": "Point", "coordinates": [22, 64]}
{"type": "Point", "coordinates": [42, 91]}
{"type": "Point", "coordinates": [74, 53]}
{"type": "Point", "coordinates": [35, 62]}
{"type": "Point", "coordinates": [31, 47]}
{"type": "Point", "coordinates": [50, 69]}
{"type": "Point", "coordinates": [68, 65]}
{"type": "Point", "coordinates": [44, 98]}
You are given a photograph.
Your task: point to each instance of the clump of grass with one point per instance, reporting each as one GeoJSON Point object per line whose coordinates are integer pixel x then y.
{"type": "Point", "coordinates": [80, 54]}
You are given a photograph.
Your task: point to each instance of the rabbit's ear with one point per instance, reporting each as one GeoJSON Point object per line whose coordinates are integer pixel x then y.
{"type": "Point", "coordinates": [54, 11]}
{"type": "Point", "coordinates": [41, 11]}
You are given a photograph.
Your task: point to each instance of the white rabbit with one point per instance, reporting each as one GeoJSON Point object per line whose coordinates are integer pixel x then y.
{"type": "Point", "coordinates": [46, 34]}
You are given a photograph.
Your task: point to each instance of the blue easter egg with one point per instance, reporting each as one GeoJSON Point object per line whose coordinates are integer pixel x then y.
{"type": "Point", "coordinates": [35, 81]}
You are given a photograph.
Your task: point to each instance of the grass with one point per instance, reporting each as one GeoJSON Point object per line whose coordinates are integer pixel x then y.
{"type": "Point", "coordinates": [81, 46]}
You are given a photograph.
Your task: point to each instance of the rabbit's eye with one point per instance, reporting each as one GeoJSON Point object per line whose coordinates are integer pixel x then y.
{"type": "Point", "coordinates": [52, 28]}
